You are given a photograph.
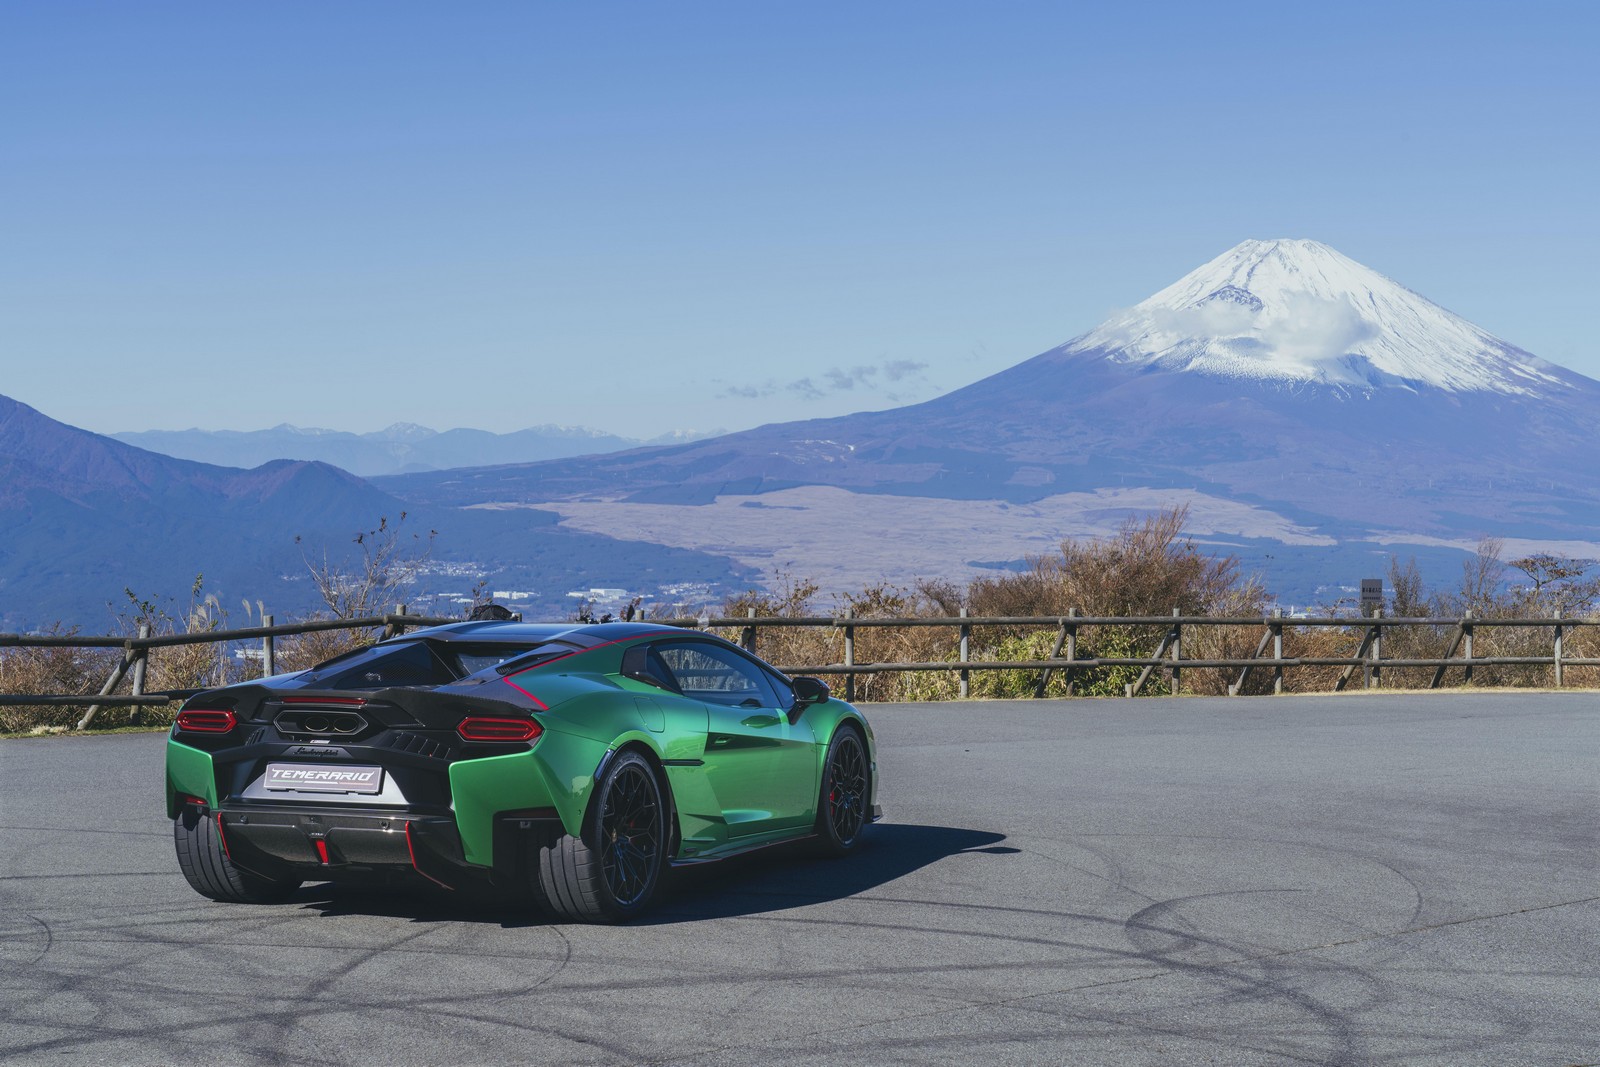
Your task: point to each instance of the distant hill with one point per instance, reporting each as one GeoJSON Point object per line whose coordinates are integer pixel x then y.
{"type": "Point", "coordinates": [1280, 387]}
{"type": "Point", "coordinates": [83, 516]}
{"type": "Point", "coordinates": [399, 448]}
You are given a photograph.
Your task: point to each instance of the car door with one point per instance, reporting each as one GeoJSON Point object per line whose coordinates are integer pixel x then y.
{"type": "Point", "coordinates": [762, 767]}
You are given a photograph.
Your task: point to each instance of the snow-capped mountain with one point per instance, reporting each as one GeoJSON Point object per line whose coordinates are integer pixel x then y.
{"type": "Point", "coordinates": [1298, 311]}
{"type": "Point", "coordinates": [1281, 377]}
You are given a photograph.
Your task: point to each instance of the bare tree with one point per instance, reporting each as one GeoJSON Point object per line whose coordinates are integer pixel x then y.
{"type": "Point", "coordinates": [1410, 598]}
{"type": "Point", "coordinates": [1557, 581]}
{"type": "Point", "coordinates": [386, 563]}
{"type": "Point", "coordinates": [1481, 577]}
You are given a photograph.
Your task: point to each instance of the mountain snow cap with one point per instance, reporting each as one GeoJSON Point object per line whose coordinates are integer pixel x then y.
{"type": "Point", "coordinates": [1298, 311]}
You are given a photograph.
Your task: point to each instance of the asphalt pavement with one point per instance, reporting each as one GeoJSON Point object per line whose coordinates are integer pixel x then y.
{"type": "Point", "coordinates": [1369, 879]}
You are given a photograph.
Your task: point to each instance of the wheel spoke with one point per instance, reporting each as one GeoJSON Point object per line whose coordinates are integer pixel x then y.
{"type": "Point", "coordinates": [847, 788]}
{"type": "Point", "coordinates": [629, 835]}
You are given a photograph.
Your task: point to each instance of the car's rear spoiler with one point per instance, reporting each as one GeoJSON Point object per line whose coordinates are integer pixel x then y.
{"type": "Point", "coordinates": [395, 707]}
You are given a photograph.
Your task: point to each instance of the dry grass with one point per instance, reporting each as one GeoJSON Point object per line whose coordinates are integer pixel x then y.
{"type": "Point", "coordinates": [1148, 569]}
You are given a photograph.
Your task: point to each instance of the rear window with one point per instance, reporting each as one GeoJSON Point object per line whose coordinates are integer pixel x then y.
{"type": "Point", "coordinates": [427, 663]}
{"type": "Point", "coordinates": [470, 659]}
{"type": "Point", "coordinates": [542, 653]}
{"type": "Point", "coordinates": [404, 663]}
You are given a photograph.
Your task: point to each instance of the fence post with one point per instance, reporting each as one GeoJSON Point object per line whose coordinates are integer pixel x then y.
{"type": "Point", "coordinates": [394, 627]}
{"type": "Point", "coordinates": [1466, 644]}
{"type": "Point", "coordinates": [106, 690]}
{"type": "Point", "coordinates": [269, 665]}
{"type": "Point", "coordinates": [748, 638]}
{"type": "Point", "coordinates": [140, 663]}
{"type": "Point", "coordinates": [1375, 676]}
{"type": "Point", "coordinates": [1177, 653]}
{"type": "Point", "coordinates": [1055, 653]}
{"type": "Point", "coordinates": [1277, 651]}
{"type": "Point", "coordinates": [966, 635]}
{"type": "Point", "coordinates": [849, 656]}
{"type": "Point", "coordinates": [1072, 652]}
{"type": "Point", "coordinates": [1557, 656]}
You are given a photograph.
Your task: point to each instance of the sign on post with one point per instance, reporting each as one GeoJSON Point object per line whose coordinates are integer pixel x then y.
{"type": "Point", "coordinates": [1371, 596]}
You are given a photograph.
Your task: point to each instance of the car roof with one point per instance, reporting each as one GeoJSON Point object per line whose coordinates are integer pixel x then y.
{"type": "Point", "coordinates": [587, 634]}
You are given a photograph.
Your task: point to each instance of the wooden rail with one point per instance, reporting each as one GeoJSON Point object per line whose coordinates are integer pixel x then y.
{"type": "Point", "coordinates": [1166, 657]}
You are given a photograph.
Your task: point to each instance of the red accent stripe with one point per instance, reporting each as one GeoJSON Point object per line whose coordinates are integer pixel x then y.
{"type": "Point", "coordinates": [541, 705]}
{"type": "Point", "coordinates": [581, 652]}
{"type": "Point", "coordinates": [412, 852]}
{"type": "Point", "coordinates": [223, 837]}
{"type": "Point", "coordinates": [607, 644]}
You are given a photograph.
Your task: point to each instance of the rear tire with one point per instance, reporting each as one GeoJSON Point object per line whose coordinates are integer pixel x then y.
{"type": "Point", "coordinates": [846, 792]}
{"type": "Point", "coordinates": [206, 865]}
{"type": "Point", "coordinates": [612, 870]}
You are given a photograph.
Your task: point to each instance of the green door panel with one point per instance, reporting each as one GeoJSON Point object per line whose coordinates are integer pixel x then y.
{"type": "Point", "coordinates": [762, 768]}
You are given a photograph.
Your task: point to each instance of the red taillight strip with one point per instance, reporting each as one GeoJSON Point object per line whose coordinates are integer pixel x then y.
{"type": "Point", "coordinates": [483, 728]}
{"type": "Point", "coordinates": [207, 720]}
{"type": "Point", "coordinates": [322, 850]}
{"type": "Point", "coordinates": [412, 852]}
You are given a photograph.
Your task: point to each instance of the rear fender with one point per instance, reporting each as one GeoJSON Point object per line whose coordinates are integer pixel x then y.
{"type": "Point", "coordinates": [189, 774]}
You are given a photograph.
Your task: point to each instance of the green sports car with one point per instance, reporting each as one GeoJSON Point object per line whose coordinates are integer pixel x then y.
{"type": "Point", "coordinates": [573, 764]}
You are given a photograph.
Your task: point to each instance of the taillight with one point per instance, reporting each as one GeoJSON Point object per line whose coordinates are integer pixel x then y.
{"type": "Point", "coordinates": [474, 728]}
{"type": "Point", "coordinates": [206, 721]}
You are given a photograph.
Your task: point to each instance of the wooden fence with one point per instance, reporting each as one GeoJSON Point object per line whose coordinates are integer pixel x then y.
{"type": "Point", "coordinates": [1167, 655]}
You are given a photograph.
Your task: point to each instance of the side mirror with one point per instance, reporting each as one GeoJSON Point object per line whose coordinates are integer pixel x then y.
{"type": "Point", "coordinates": [809, 691]}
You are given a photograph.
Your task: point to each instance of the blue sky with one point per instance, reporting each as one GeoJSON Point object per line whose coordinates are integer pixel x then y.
{"type": "Point", "coordinates": [648, 217]}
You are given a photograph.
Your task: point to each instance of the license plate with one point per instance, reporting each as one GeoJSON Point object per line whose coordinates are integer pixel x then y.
{"type": "Point", "coordinates": [310, 778]}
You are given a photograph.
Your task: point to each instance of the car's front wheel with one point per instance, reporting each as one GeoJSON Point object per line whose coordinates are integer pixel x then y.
{"type": "Point", "coordinates": [612, 870]}
{"type": "Point", "coordinates": [204, 861]}
{"type": "Point", "coordinates": [846, 791]}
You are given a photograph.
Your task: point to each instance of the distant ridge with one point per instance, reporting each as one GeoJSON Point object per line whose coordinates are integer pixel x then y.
{"type": "Point", "coordinates": [398, 448]}
{"type": "Point", "coordinates": [84, 517]}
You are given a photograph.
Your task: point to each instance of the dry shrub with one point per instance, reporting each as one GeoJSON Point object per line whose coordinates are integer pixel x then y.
{"type": "Point", "coordinates": [51, 671]}
{"type": "Point", "coordinates": [1148, 568]}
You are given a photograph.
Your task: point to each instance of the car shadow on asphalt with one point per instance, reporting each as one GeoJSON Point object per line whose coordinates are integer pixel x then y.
{"type": "Point", "coordinates": [795, 875]}
{"type": "Point", "coordinates": [773, 879]}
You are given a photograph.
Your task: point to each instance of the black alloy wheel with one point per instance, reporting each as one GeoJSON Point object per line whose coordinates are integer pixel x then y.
{"type": "Point", "coordinates": [613, 870]}
{"type": "Point", "coordinates": [630, 834]}
{"type": "Point", "coordinates": [842, 807]}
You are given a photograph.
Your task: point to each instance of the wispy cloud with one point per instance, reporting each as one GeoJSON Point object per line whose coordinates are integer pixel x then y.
{"type": "Point", "coordinates": [904, 375]}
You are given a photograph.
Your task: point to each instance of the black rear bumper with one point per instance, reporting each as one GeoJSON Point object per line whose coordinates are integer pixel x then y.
{"type": "Point", "coordinates": [335, 843]}
{"type": "Point", "coordinates": [339, 843]}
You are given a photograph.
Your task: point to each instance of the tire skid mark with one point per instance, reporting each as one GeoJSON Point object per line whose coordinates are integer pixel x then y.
{"type": "Point", "coordinates": [83, 830]}
{"type": "Point", "coordinates": [1336, 850]}
{"type": "Point", "coordinates": [728, 976]}
{"type": "Point", "coordinates": [87, 876]}
{"type": "Point", "coordinates": [19, 938]}
{"type": "Point", "coordinates": [298, 1008]}
{"type": "Point", "coordinates": [49, 940]}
